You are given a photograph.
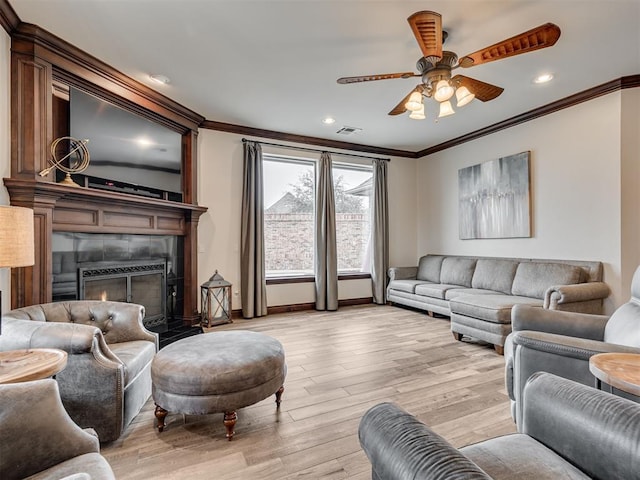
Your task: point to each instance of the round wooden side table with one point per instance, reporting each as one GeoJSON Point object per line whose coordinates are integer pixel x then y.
{"type": "Point", "coordinates": [33, 364]}
{"type": "Point", "coordinates": [619, 370]}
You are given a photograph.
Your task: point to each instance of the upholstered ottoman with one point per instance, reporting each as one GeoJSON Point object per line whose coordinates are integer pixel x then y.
{"type": "Point", "coordinates": [217, 372]}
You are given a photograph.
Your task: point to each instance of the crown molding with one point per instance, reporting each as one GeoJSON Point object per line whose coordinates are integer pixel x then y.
{"type": "Point", "coordinates": [632, 81]}
{"type": "Point", "coordinates": [71, 62]}
{"type": "Point", "coordinates": [8, 17]}
{"type": "Point", "coordinates": [306, 140]}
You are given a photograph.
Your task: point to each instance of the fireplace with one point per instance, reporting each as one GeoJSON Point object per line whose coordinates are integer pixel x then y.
{"type": "Point", "coordinates": [143, 283]}
{"type": "Point", "coordinates": [143, 269]}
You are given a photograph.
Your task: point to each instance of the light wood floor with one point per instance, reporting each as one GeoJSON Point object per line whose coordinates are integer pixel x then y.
{"type": "Point", "coordinates": [340, 364]}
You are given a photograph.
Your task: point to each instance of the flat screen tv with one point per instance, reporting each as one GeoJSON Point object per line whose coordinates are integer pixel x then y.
{"type": "Point", "coordinates": [125, 148]}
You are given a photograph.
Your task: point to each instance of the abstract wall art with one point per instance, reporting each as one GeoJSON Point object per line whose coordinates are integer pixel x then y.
{"type": "Point", "coordinates": [494, 200]}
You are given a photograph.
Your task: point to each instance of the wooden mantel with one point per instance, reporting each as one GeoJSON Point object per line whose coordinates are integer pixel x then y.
{"type": "Point", "coordinates": [39, 60]}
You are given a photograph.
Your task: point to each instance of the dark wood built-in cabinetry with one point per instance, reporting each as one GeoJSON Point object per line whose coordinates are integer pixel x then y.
{"type": "Point", "coordinates": [39, 61]}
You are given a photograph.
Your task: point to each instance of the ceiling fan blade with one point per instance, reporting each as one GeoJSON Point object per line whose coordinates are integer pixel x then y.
{"type": "Point", "coordinates": [483, 91]}
{"type": "Point", "coordinates": [380, 76]}
{"type": "Point", "coordinates": [540, 37]}
{"type": "Point", "coordinates": [427, 28]}
{"type": "Point", "coordinates": [400, 108]}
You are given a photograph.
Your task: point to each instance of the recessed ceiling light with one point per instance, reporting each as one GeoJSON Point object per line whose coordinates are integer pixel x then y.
{"type": "Point", "coordinates": [328, 120]}
{"type": "Point", "coordinates": [544, 78]}
{"type": "Point", "coordinates": [161, 79]}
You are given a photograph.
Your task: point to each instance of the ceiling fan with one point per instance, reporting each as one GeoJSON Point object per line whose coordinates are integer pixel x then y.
{"type": "Point", "coordinates": [436, 65]}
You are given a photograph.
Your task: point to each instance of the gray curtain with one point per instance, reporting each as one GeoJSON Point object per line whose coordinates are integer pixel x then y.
{"type": "Point", "coordinates": [379, 233]}
{"type": "Point", "coordinates": [326, 259]}
{"type": "Point", "coordinates": [252, 281]}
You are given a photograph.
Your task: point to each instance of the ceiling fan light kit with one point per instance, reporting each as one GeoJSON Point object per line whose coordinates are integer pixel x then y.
{"type": "Point", "coordinates": [436, 65]}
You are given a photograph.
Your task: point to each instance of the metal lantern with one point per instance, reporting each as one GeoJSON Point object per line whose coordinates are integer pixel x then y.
{"type": "Point", "coordinates": [215, 301]}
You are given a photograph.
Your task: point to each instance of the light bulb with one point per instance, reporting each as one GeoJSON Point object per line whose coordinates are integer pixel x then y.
{"type": "Point", "coordinates": [443, 92]}
{"type": "Point", "coordinates": [464, 96]}
{"type": "Point", "coordinates": [445, 109]}
{"type": "Point", "coordinates": [415, 102]}
{"type": "Point", "coordinates": [418, 114]}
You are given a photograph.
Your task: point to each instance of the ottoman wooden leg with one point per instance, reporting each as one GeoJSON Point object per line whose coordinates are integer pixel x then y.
{"type": "Point", "coordinates": [229, 422]}
{"type": "Point", "coordinates": [279, 395]}
{"type": "Point", "coordinates": [161, 414]}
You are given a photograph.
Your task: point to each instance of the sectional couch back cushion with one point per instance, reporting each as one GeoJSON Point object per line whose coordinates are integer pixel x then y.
{"type": "Point", "coordinates": [533, 279]}
{"type": "Point", "coordinates": [494, 274]}
{"type": "Point", "coordinates": [457, 271]}
{"type": "Point", "coordinates": [429, 268]}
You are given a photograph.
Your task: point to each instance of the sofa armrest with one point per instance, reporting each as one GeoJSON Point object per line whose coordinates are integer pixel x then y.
{"type": "Point", "coordinates": [403, 273]}
{"type": "Point", "coordinates": [126, 322]}
{"type": "Point", "coordinates": [572, 347]}
{"type": "Point", "coordinates": [572, 324]}
{"type": "Point", "coordinates": [399, 446]}
{"type": "Point", "coordinates": [596, 431]}
{"type": "Point", "coordinates": [37, 432]}
{"type": "Point", "coordinates": [579, 292]}
{"type": "Point", "coordinates": [70, 337]}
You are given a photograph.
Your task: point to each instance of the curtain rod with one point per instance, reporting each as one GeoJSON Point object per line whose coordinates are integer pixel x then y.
{"type": "Point", "coordinates": [307, 149]}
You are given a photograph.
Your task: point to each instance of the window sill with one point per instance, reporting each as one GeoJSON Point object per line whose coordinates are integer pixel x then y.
{"type": "Point", "coordinates": [311, 279]}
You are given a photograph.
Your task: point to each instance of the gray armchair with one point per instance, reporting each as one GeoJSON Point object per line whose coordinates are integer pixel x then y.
{"type": "Point", "coordinates": [569, 431]}
{"type": "Point", "coordinates": [562, 342]}
{"type": "Point", "coordinates": [39, 440]}
{"type": "Point", "coordinates": [108, 375]}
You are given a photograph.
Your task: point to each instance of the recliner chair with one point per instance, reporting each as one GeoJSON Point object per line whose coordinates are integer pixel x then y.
{"type": "Point", "coordinates": [107, 379]}
{"type": "Point", "coordinates": [562, 343]}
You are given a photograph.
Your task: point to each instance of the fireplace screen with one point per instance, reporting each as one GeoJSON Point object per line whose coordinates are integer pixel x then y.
{"type": "Point", "coordinates": [141, 282]}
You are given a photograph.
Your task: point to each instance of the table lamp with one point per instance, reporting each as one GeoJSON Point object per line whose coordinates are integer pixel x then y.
{"type": "Point", "coordinates": [16, 240]}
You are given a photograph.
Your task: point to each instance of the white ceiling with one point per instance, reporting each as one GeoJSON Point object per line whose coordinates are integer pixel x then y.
{"type": "Point", "coordinates": [274, 64]}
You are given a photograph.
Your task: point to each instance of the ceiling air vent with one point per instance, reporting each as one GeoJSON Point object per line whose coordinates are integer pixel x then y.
{"type": "Point", "coordinates": [348, 130]}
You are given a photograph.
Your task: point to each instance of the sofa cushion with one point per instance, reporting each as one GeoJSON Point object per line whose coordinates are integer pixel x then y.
{"type": "Point", "coordinates": [522, 457]}
{"type": "Point", "coordinates": [534, 278]}
{"type": "Point", "coordinates": [435, 290]}
{"type": "Point", "coordinates": [457, 271]}
{"type": "Point", "coordinates": [405, 285]}
{"type": "Point", "coordinates": [457, 292]}
{"type": "Point", "coordinates": [429, 268]}
{"type": "Point", "coordinates": [135, 355]}
{"type": "Point", "coordinates": [493, 274]}
{"type": "Point", "coordinates": [491, 308]}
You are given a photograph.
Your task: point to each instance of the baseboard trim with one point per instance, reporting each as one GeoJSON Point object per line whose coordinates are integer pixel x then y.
{"type": "Point", "coordinates": [301, 307]}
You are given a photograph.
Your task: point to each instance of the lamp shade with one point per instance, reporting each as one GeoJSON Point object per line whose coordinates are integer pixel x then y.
{"type": "Point", "coordinates": [415, 102]}
{"type": "Point", "coordinates": [16, 236]}
{"type": "Point", "coordinates": [445, 109]}
{"type": "Point", "coordinates": [464, 96]}
{"type": "Point", "coordinates": [418, 114]}
{"type": "Point", "coordinates": [443, 91]}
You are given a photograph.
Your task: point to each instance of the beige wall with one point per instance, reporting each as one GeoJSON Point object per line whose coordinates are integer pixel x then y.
{"type": "Point", "coordinates": [581, 187]}
{"type": "Point", "coordinates": [5, 147]}
{"type": "Point", "coordinates": [630, 183]}
{"type": "Point", "coordinates": [220, 189]}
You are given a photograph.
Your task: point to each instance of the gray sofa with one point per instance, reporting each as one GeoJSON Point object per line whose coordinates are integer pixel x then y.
{"type": "Point", "coordinates": [479, 292]}
{"type": "Point", "coordinates": [569, 431]}
{"type": "Point", "coordinates": [107, 379]}
{"type": "Point", "coordinates": [38, 440]}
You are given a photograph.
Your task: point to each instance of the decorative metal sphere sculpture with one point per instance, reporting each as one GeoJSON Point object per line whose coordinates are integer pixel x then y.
{"type": "Point", "coordinates": [68, 155]}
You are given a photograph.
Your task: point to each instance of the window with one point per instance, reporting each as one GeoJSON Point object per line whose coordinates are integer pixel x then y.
{"type": "Point", "coordinates": [289, 200]}
{"type": "Point", "coordinates": [352, 187]}
{"type": "Point", "coordinates": [289, 212]}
